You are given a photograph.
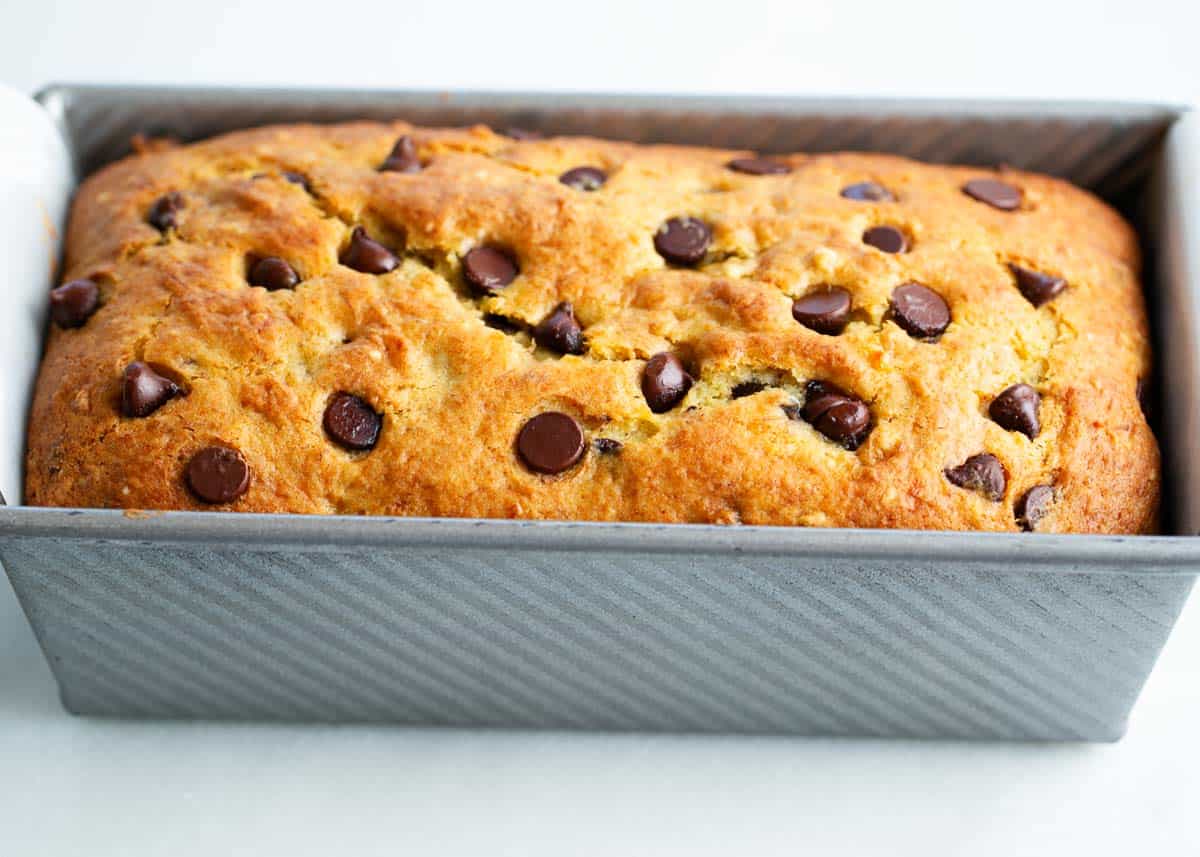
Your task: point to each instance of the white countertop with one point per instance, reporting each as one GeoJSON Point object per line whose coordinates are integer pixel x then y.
{"type": "Point", "coordinates": [76, 786]}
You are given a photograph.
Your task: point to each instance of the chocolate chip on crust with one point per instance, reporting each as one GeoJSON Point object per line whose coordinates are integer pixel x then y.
{"type": "Point", "coordinates": [664, 382]}
{"type": "Point", "coordinates": [584, 178]}
{"type": "Point", "coordinates": [1038, 288]}
{"type": "Point", "coordinates": [844, 419]}
{"type": "Point", "coordinates": [351, 422]}
{"type": "Point", "coordinates": [868, 192]}
{"type": "Point", "coordinates": [683, 240]}
{"type": "Point", "coordinates": [995, 193]}
{"type": "Point", "coordinates": [488, 269]}
{"type": "Point", "coordinates": [403, 158]}
{"type": "Point", "coordinates": [889, 239]}
{"type": "Point", "coordinates": [550, 443]}
{"type": "Point", "coordinates": [367, 255]}
{"type": "Point", "coordinates": [560, 331]}
{"type": "Point", "coordinates": [73, 303]}
{"type": "Point", "coordinates": [759, 166]}
{"type": "Point", "coordinates": [1016, 409]}
{"type": "Point", "coordinates": [982, 473]}
{"type": "Point", "coordinates": [218, 474]}
{"type": "Point", "coordinates": [920, 311]}
{"type": "Point", "coordinates": [826, 312]}
{"type": "Point", "coordinates": [164, 213]}
{"type": "Point", "coordinates": [273, 274]}
{"type": "Point", "coordinates": [144, 390]}
{"type": "Point", "coordinates": [1033, 506]}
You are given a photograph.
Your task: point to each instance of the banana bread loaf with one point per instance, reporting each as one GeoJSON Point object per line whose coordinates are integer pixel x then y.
{"type": "Point", "coordinates": [383, 319]}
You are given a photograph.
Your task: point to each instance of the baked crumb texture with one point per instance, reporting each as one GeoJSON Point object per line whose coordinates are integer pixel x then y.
{"type": "Point", "coordinates": [382, 319]}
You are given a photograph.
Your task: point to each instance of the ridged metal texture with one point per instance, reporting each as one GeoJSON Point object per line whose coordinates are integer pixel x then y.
{"type": "Point", "coordinates": [626, 626]}
{"type": "Point", "coordinates": [498, 633]}
{"type": "Point", "coordinates": [1103, 147]}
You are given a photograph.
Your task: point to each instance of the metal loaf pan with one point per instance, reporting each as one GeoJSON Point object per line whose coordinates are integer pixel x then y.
{"type": "Point", "coordinates": [627, 626]}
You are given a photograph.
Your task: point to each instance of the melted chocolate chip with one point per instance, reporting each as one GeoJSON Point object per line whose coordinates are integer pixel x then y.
{"type": "Point", "coordinates": [351, 422]}
{"type": "Point", "coordinates": [746, 388]}
{"type": "Point", "coordinates": [995, 193]}
{"type": "Point", "coordinates": [1033, 506]}
{"type": "Point", "coordinates": [560, 331]}
{"type": "Point", "coordinates": [218, 474]}
{"type": "Point", "coordinates": [297, 178]}
{"type": "Point", "coordinates": [584, 178]}
{"type": "Point", "coordinates": [164, 214]}
{"type": "Point", "coordinates": [551, 443]}
{"type": "Point", "coordinates": [607, 446]}
{"type": "Point", "coordinates": [826, 312]}
{"type": "Point", "coordinates": [502, 323]}
{"type": "Point", "coordinates": [664, 382]}
{"type": "Point", "coordinates": [367, 255]}
{"type": "Point", "coordinates": [920, 311]}
{"type": "Point", "coordinates": [842, 418]}
{"type": "Point", "coordinates": [889, 239]}
{"type": "Point", "coordinates": [73, 303]}
{"type": "Point", "coordinates": [683, 240]}
{"type": "Point", "coordinates": [488, 269]}
{"type": "Point", "coordinates": [759, 166]}
{"type": "Point", "coordinates": [403, 158]}
{"type": "Point", "coordinates": [1016, 409]}
{"type": "Point", "coordinates": [273, 274]}
{"type": "Point", "coordinates": [868, 192]}
{"type": "Point", "coordinates": [983, 473]}
{"type": "Point", "coordinates": [144, 390]}
{"type": "Point", "coordinates": [1038, 288]}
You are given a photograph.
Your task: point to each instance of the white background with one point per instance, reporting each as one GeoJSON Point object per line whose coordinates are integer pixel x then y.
{"type": "Point", "coordinates": [72, 786]}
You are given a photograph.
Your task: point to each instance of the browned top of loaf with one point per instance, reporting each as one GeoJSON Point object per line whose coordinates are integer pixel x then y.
{"type": "Point", "coordinates": [259, 367]}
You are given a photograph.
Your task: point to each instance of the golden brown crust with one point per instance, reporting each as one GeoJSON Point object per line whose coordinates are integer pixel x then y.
{"type": "Point", "coordinates": [259, 367]}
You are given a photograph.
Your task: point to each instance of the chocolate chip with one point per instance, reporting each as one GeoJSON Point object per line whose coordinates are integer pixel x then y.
{"type": "Point", "coordinates": [403, 158]}
{"type": "Point", "coordinates": [296, 178]}
{"type": "Point", "coordinates": [664, 382]}
{"type": "Point", "coordinates": [920, 311]}
{"type": "Point", "coordinates": [759, 166]}
{"type": "Point", "coordinates": [1038, 288]}
{"type": "Point", "coordinates": [523, 134]}
{"type": "Point", "coordinates": [842, 418]}
{"type": "Point", "coordinates": [218, 474]}
{"type": "Point", "coordinates": [995, 193]}
{"type": "Point", "coordinates": [983, 473]}
{"type": "Point", "coordinates": [683, 240]}
{"type": "Point", "coordinates": [367, 255]}
{"type": "Point", "coordinates": [1033, 506]}
{"type": "Point", "coordinates": [826, 312]}
{"type": "Point", "coordinates": [889, 239]}
{"type": "Point", "coordinates": [584, 178]}
{"type": "Point", "coordinates": [502, 323]}
{"type": "Point", "coordinates": [351, 422]}
{"type": "Point", "coordinates": [273, 273]}
{"type": "Point", "coordinates": [489, 269]}
{"type": "Point", "coordinates": [607, 446]}
{"type": "Point", "coordinates": [560, 331]}
{"type": "Point", "coordinates": [550, 443]}
{"type": "Point", "coordinates": [868, 192]}
{"type": "Point", "coordinates": [746, 388]}
{"type": "Point", "coordinates": [1016, 409]}
{"type": "Point", "coordinates": [164, 214]}
{"type": "Point", "coordinates": [144, 390]}
{"type": "Point", "coordinates": [73, 303]}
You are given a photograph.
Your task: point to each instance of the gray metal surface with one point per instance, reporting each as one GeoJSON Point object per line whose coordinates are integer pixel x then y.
{"type": "Point", "coordinates": [632, 626]}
